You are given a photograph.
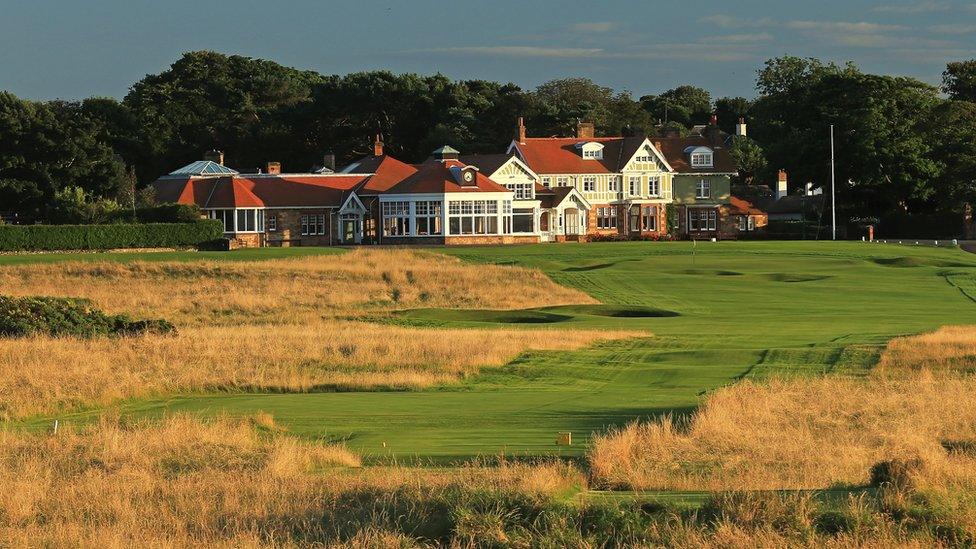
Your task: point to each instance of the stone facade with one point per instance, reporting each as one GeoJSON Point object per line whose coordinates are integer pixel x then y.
{"type": "Point", "coordinates": [288, 228]}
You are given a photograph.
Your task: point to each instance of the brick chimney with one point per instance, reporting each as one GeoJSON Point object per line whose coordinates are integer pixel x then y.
{"type": "Point", "coordinates": [520, 136]}
{"type": "Point", "coordinates": [740, 128]}
{"type": "Point", "coordinates": [274, 168]}
{"type": "Point", "coordinates": [712, 132]}
{"type": "Point", "coordinates": [328, 160]}
{"type": "Point", "coordinates": [585, 130]}
{"type": "Point", "coordinates": [378, 145]}
{"type": "Point", "coordinates": [214, 156]}
{"type": "Point", "coordinates": [782, 185]}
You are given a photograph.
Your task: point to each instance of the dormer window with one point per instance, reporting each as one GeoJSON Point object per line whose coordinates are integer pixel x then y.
{"type": "Point", "coordinates": [590, 150]}
{"type": "Point", "coordinates": [700, 157]}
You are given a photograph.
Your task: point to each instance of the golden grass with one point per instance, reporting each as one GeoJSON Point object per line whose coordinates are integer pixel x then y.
{"type": "Point", "coordinates": [272, 325]}
{"type": "Point", "coordinates": [948, 348]}
{"type": "Point", "coordinates": [807, 433]}
{"type": "Point", "coordinates": [184, 482]}
{"type": "Point", "coordinates": [289, 291]}
{"type": "Point", "coordinates": [47, 374]}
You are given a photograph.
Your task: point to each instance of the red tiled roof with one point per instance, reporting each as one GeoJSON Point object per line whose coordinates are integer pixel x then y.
{"type": "Point", "coordinates": [387, 172]}
{"type": "Point", "coordinates": [436, 177]}
{"type": "Point", "coordinates": [256, 191]}
{"type": "Point", "coordinates": [560, 155]}
{"type": "Point", "coordinates": [744, 207]}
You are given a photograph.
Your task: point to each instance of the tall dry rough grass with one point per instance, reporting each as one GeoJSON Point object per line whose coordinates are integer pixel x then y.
{"type": "Point", "coordinates": [45, 374]}
{"type": "Point", "coordinates": [229, 482]}
{"type": "Point", "coordinates": [278, 325]}
{"type": "Point", "coordinates": [289, 291]}
{"type": "Point", "coordinates": [807, 433]}
{"type": "Point", "coordinates": [948, 348]}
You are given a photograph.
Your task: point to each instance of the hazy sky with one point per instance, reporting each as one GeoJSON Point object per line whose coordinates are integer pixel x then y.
{"type": "Point", "coordinates": [78, 48]}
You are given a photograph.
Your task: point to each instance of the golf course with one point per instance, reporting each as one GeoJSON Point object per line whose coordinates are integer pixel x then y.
{"type": "Point", "coordinates": [713, 314]}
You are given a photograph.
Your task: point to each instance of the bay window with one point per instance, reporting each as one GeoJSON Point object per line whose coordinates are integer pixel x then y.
{"type": "Point", "coordinates": [701, 219]}
{"type": "Point", "coordinates": [396, 218]}
{"type": "Point", "coordinates": [244, 220]}
{"type": "Point", "coordinates": [428, 215]}
{"type": "Point", "coordinates": [469, 217]}
{"type": "Point", "coordinates": [523, 220]}
{"type": "Point", "coordinates": [606, 217]}
{"type": "Point", "coordinates": [634, 185]}
{"type": "Point", "coordinates": [649, 218]}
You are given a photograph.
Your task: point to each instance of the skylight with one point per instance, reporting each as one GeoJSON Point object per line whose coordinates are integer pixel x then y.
{"type": "Point", "coordinates": [204, 167]}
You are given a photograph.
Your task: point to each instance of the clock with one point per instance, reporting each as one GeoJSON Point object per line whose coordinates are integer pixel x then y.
{"type": "Point", "coordinates": [469, 176]}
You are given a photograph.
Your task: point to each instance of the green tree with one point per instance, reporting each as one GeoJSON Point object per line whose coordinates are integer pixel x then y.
{"type": "Point", "coordinates": [748, 157]}
{"type": "Point", "coordinates": [880, 144]}
{"type": "Point", "coordinates": [959, 80]}
{"type": "Point", "coordinates": [72, 205]}
{"type": "Point", "coordinates": [729, 110]}
{"type": "Point", "coordinates": [685, 105]}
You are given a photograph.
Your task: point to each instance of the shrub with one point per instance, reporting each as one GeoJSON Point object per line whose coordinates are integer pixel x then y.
{"type": "Point", "coordinates": [897, 473]}
{"type": "Point", "coordinates": [58, 316]}
{"type": "Point", "coordinates": [106, 237]}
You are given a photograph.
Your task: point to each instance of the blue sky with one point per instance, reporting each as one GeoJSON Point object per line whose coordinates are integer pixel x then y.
{"type": "Point", "coordinates": [73, 49]}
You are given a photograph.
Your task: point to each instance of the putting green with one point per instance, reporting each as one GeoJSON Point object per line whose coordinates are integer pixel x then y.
{"type": "Point", "coordinates": [719, 312]}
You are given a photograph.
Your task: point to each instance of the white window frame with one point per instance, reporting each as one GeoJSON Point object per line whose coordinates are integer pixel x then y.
{"type": "Point", "coordinates": [649, 216]}
{"type": "Point", "coordinates": [478, 217]}
{"type": "Point", "coordinates": [546, 181]}
{"type": "Point", "coordinates": [702, 219]}
{"type": "Point", "coordinates": [397, 218]}
{"type": "Point", "coordinates": [654, 186]}
{"type": "Point", "coordinates": [523, 191]}
{"type": "Point", "coordinates": [312, 224]}
{"type": "Point", "coordinates": [703, 189]}
{"type": "Point", "coordinates": [589, 183]}
{"type": "Point", "coordinates": [239, 220]}
{"type": "Point", "coordinates": [562, 181]}
{"type": "Point", "coordinates": [428, 213]}
{"type": "Point", "coordinates": [272, 223]}
{"type": "Point", "coordinates": [606, 218]}
{"type": "Point", "coordinates": [634, 185]}
{"type": "Point", "coordinates": [702, 159]}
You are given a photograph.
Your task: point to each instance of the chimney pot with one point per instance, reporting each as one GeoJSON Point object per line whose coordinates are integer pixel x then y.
{"type": "Point", "coordinates": [782, 185]}
{"type": "Point", "coordinates": [214, 156]}
{"type": "Point", "coordinates": [740, 128]}
{"type": "Point", "coordinates": [714, 120]}
{"type": "Point", "coordinates": [585, 130]}
{"type": "Point", "coordinates": [378, 145]}
{"type": "Point", "coordinates": [521, 131]}
{"type": "Point", "coordinates": [274, 168]}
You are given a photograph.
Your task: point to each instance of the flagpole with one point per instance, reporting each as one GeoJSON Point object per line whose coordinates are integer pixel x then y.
{"type": "Point", "coordinates": [833, 187]}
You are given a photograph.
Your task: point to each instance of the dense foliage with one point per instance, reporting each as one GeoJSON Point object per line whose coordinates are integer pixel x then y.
{"type": "Point", "coordinates": [901, 147]}
{"type": "Point", "coordinates": [107, 237]}
{"type": "Point", "coordinates": [59, 316]}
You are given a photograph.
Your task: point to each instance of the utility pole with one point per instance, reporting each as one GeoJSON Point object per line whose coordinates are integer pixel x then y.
{"type": "Point", "coordinates": [833, 187]}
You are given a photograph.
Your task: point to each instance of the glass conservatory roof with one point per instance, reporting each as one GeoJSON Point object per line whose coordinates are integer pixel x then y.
{"type": "Point", "coordinates": [204, 167]}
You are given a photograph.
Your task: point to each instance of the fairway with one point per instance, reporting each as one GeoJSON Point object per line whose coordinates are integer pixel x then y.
{"type": "Point", "coordinates": [718, 312]}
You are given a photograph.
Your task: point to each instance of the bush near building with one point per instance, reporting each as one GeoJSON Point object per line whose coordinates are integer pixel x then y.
{"type": "Point", "coordinates": [106, 237]}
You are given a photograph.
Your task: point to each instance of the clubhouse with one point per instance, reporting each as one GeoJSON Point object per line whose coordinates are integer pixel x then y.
{"type": "Point", "coordinates": [549, 189]}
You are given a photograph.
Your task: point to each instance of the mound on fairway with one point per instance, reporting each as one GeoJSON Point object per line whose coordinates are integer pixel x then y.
{"type": "Point", "coordinates": [523, 316]}
{"type": "Point", "coordinates": [613, 311]}
{"type": "Point", "coordinates": [712, 272]}
{"type": "Point", "coordinates": [795, 277]}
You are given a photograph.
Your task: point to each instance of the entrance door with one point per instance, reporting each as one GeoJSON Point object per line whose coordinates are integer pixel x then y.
{"type": "Point", "coordinates": [572, 221]}
{"type": "Point", "coordinates": [349, 229]}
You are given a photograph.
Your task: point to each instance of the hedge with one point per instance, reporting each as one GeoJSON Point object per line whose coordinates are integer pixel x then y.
{"type": "Point", "coordinates": [162, 213]}
{"type": "Point", "coordinates": [14, 238]}
{"type": "Point", "coordinates": [65, 316]}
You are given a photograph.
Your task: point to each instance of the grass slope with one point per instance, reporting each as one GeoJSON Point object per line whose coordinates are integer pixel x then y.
{"type": "Point", "coordinates": [736, 310]}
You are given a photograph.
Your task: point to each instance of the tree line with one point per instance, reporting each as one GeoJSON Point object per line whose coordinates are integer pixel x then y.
{"type": "Point", "coordinates": [902, 146]}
